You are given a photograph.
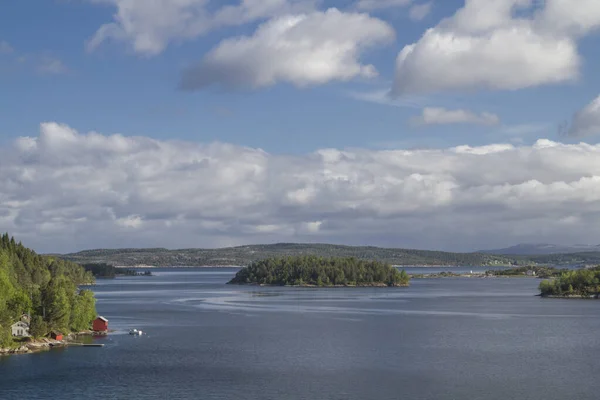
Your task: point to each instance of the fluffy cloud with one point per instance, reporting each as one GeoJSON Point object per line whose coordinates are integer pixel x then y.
{"type": "Point", "coordinates": [420, 11]}
{"type": "Point", "coordinates": [442, 116]}
{"type": "Point", "coordinates": [64, 190]}
{"type": "Point", "coordinates": [150, 26]}
{"type": "Point", "coordinates": [495, 45]}
{"type": "Point", "coordinates": [302, 49]}
{"type": "Point", "coordinates": [587, 121]}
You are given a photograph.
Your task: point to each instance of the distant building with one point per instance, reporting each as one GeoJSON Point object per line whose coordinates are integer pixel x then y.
{"type": "Point", "coordinates": [100, 324]}
{"type": "Point", "coordinates": [20, 329]}
{"type": "Point", "coordinates": [530, 273]}
{"type": "Point", "coordinates": [56, 335]}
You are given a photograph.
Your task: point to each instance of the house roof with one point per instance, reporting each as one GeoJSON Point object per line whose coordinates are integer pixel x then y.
{"type": "Point", "coordinates": [102, 318]}
{"type": "Point", "coordinates": [21, 323]}
{"type": "Point", "coordinates": [56, 333]}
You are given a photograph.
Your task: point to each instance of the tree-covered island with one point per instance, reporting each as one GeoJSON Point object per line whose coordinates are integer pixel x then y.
{"type": "Point", "coordinates": [582, 283]}
{"type": "Point", "coordinates": [43, 293]}
{"type": "Point", "coordinates": [320, 272]}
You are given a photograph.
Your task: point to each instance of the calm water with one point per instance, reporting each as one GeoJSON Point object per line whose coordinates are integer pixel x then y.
{"type": "Point", "coordinates": [438, 339]}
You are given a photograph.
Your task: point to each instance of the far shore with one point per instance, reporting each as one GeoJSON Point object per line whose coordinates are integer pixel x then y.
{"type": "Point", "coordinates": [241, 266]}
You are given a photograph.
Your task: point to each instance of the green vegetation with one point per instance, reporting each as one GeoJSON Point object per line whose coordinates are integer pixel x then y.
{"type": "Point", "coordinates": [590, 258]}
{"type": "Point", "coordinates": [577, 283]}
{"type": "Point", "coordinates": [444, 274]}
{"type": "Point", "coordinates": [245, 255]}
{"type": "Point", "coordinates": [103, 270]}
{"type": "Point", "coordinates": [46, 288]}
{"type": "Point", "coordinates": [319, 271]}
{"type": "Point", "coordinates": [538, 271]}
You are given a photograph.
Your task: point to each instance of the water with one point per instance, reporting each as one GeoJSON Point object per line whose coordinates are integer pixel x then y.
{"type": "Point", "coordinates": [439, 339]}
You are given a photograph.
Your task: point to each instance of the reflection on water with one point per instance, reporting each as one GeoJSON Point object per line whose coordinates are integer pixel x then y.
{"type": "Point", "coordinates": [439, 339]}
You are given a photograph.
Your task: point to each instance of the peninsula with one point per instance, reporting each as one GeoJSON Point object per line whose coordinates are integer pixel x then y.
{"type": "Point", "coordinates": [320, 272]}
{"type": "Point", "coordinates": [40, 298]}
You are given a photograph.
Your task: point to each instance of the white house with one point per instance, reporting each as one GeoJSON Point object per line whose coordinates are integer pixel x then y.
{"type": "Point", "coordinates": [20, 329]}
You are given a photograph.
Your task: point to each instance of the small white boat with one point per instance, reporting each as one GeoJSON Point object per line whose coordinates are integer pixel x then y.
{"type": "Point", "coordinates": [135, 332]}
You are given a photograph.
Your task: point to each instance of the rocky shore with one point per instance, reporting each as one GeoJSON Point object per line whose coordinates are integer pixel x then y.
{"type": "Point", "coordinates": [44, 344]}
{"type": "Point", "coordinates": [33, 346]}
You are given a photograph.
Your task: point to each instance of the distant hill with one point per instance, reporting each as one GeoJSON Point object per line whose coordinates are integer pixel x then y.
{"type": "Point", "coordinates": [244, 255]}
{"type": "Point", "coordinates": [531, 249]}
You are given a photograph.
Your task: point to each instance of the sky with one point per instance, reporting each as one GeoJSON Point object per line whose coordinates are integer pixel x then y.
{"type": "Point", "coordinates": [431, 124]}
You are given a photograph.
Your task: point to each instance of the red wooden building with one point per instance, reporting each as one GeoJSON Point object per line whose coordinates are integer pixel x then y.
{"type": "Point", "coordinates": [56, 335]}
{"type": "Point", "coordinates": [100, 324]}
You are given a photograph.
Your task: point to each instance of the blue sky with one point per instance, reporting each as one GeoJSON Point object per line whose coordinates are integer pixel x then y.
{"type": "Point", "coordinates": [307, 95]}
{"type": "Point", "coordinates": [115, 90]}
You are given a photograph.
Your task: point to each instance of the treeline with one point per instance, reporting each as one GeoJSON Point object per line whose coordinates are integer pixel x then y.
{"type": "Point", "coordinates": [244, 255]}
{"type": "Point", "coordinates": [320, 271]}
{"type": "Point", "coordinates": [103, 270]}
{"type": "Point", "coordinates": [540, 271]}
{"type": "Point", "coordinates": [582, 282]}
{"type": "Point", "coordinates": [44, 287]}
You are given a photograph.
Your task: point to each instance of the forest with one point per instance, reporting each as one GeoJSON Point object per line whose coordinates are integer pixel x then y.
{"type": "Point", "coordinates": [576, 283]}
{"type": "Point", "coordinates": [320, 271]}
{"type": "Point", "coordinates": [244, 255]}
{"type": "Point", "coordinates": [46, 288]}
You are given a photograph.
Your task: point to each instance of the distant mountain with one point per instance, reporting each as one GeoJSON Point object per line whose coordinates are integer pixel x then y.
{"type": "Point", "coordinates": [531, 249]}
{"type": "Point", "coordinates": [243, 255]}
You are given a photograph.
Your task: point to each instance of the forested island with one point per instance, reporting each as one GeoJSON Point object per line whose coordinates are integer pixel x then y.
{"type": "Point", "coordinates": [582, 283]}
{"type": "Point", "coordinates": [103, 270]}
{"type": "Point", "coordinates": [321, 272]}
{"type": "Point", "coordinates": [45, 289]}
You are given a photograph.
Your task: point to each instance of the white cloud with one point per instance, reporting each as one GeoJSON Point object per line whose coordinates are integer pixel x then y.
{"type": "Point", "coordinates": [305, 49]}
{"type": "Point", "coordinates": [498, 45]}
{"type": "Point", "coordinates": [5, 47]}
{"type": "Point", "coordinates": [442, 116]}
{"type": "Point", "coordinates": [150, 26]}
{"type": "Point", "coordinates": [51, 66]}
{"type": "Point", "coordinates": [420, 11]}
{"type": "Point", "coordinates": [587, 121]}
{"type": "Point", "coordinates": [64, 190]}
{"type": "Point", "coordinates": [380, 4]}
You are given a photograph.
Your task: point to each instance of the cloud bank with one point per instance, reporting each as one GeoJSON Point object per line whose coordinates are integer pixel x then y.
{"type": "Point", "coordinates": [65, 190]}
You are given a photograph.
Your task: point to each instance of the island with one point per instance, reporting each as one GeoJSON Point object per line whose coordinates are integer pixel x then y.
{"type": "Point", "coordinates": [42, 299]}
{"type": "Point", "coordinates": [321, 272]}
{"type": "Point", "coordinates": [582, 283]}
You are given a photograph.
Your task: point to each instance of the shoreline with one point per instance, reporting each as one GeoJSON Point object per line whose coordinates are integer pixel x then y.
{"type": "Point", "coordinates": [571, 297]}
{"type": "Point", "coordinates": [34, 346]}
{"type": "Point", "coordinates": [374, 285]}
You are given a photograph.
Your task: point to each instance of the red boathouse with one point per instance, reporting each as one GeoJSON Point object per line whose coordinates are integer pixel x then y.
{"type": "Point", "coordinates": [100, 324]}
{"type": "Point", "coordinates": [56, 335]}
